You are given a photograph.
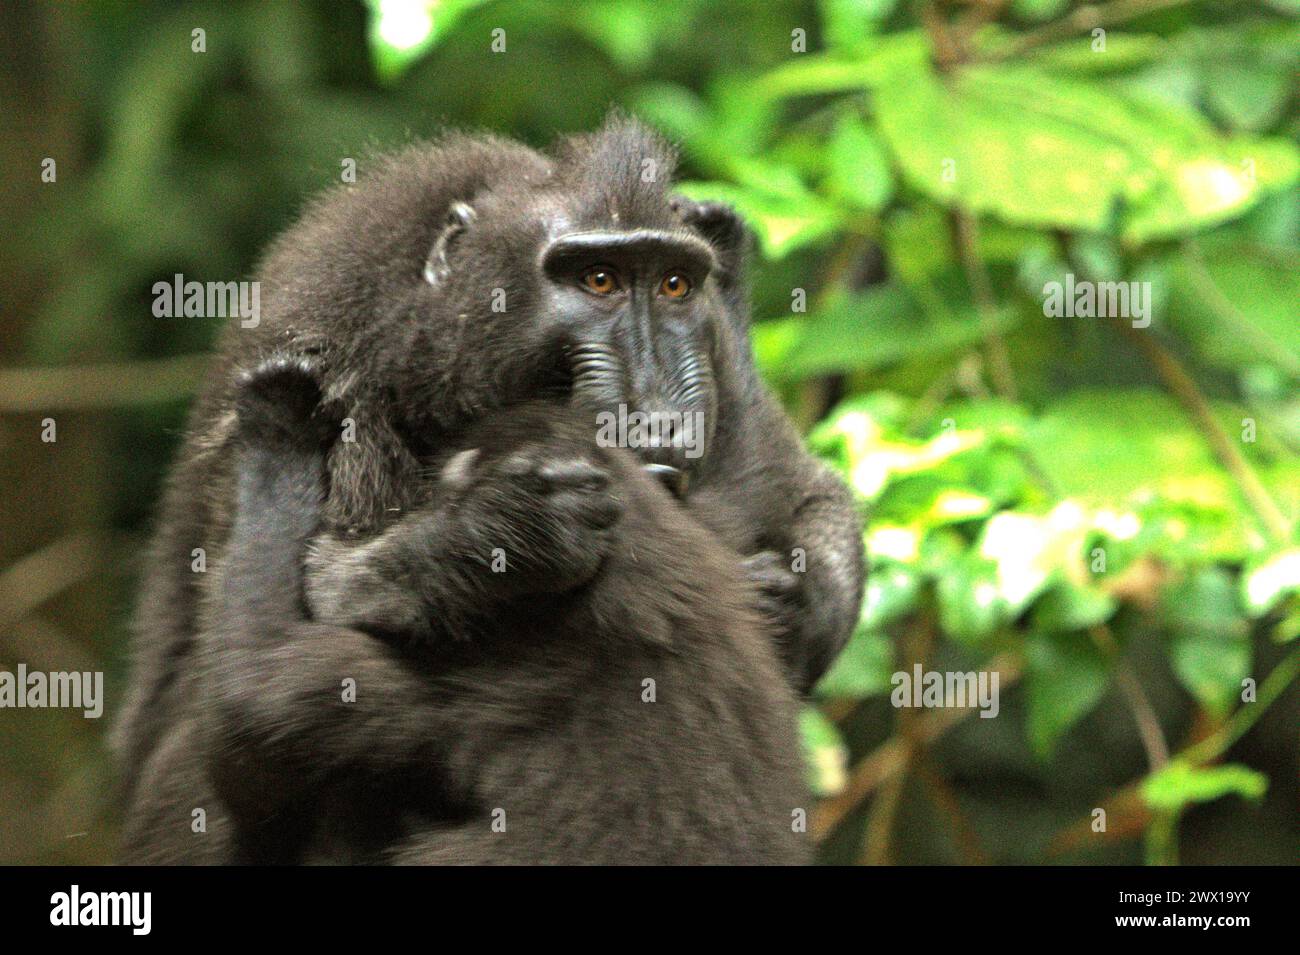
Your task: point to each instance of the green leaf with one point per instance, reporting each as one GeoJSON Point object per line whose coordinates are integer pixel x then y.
{"type": "Point", "coordinates": [1032, 551]}
{"type": "Point", "coordinates": [680, 113]}
{"type": "Point", "coordinates": [1111, 448]}
{"type": "Point", "coordinates": [1038, 9]}
{"type": "Point", "coordinates": [625, 29]}
{"type": "Point", "coordinates": [785, 214]}
{"type": "Point", "coordinates": [1069, 607]}
{"type": "Point", "coordinates": [863, 667]}
{"type": "Point", "coordinates": [970, 607]}
{"type": "Point", "coordinates": [813, 75]}
{"type": "Point", "coordinates": [939, 550]}
{"type": "Point", "coordinates": [824, 752]}
{"type": "Point", "coordinates": [1065, 676]}
{"type": "Point", "coordinates": [859, 165]}
{"type": "Point", "coordinates": [1210, 647]}
{"type": "Point", "coordinates": [1288, 628]}
{"type": "Point", "coordinates": [844, 434]}
{"type": "Point", "coordinates": [1180, 784]}
{"type": "Point", "coordinates": [1265, 584]}
{"type": "Point", "coordinates": [1035, 148]}
{"type": "Point", "coordinates": [1209, 185]}
{"type": "Point", "coordinates": [1245, 94]}
{"type": "Point", "coordinates": [863, 331]}
{"type": "Point", "coordinates": [891, 593]}
{"type": "Point", "coordinates": [1123, 51]}
{"type": "Point", "coordinates": [1236, 303]}
{"type": "Point", "coordinates": [402, 31]}
{"type": "Point", "coordinates": [719, 135]}
{"type": "Point", "coordinates": [875, 459]}
{"type": "Point", "coordinates": [931, 500]}
{"type": "Point", "coordinates": [848, 24]}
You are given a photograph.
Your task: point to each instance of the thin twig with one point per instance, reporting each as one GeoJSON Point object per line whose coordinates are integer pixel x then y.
{"type": "Point", "coordinates": [943, 51]}
{"type": "Point", "coordinates": [965, 231]}
{"type": "Point", "coordinates": [888, 758]}
{"type": "Point", "coordinates": [884, 810]}
{"type": "Point", "coordinates": [1217, 743]}
{"type": "Point", "coordinates": [1128, 813]}
{"type": "Point", "coordinates": [1127, 816]}
{"type": "Point", "coordinates": [915, 649]}
{"type": "Point", "coordinates": [1144, 714]}
{"type": "Point", "coordinates": [964, 834]}
{"type": "Point", "coordinates": [25, 390]}
{"type": "Point", "coordinates": [1079, 20]}
{"type": "Point", "coordinates": [1209, 292]}
{"type": "Point", "coordinates": [36, 578]}
{"type": "Point", "coordinates": [981, 13]}
{"type": "Point", "coordinates": [1185, 391]}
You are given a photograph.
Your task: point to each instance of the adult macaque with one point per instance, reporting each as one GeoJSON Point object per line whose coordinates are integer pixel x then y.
{"type": "Point", "coordinates": [459, 279]}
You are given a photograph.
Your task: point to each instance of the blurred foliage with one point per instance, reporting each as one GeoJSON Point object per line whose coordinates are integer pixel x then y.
{"type": "Point", "coordinates": [1106, 514]}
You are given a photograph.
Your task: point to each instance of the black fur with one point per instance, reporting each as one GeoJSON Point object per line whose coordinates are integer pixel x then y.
{"type": "Point", "coordinates": [386, 289]}
{"type": "Point", "coordinates": [541, 718]}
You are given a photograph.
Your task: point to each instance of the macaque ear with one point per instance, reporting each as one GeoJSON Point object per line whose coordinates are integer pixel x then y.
{"type": "Point", "coordinates": [459, 217]}
{"type": "Point", "coordinates": [722, 227]}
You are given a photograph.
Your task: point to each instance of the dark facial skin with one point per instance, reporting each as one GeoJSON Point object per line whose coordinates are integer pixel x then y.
{"type": "Point", "coordinates": [389, 291]}
{"type": "Point", "coordinates": [639, 306]}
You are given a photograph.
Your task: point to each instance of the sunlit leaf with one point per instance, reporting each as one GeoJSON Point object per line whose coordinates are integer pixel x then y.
{"type": "Point", "coordinates": [1035, 148]}
{"type": "Point", "coordinates": [1110, 448]}
{"type": "Point", "coordinates": [1269, 580]}
{"type": "Point", "coordinates": [402, 31]}
{"type": "Point", "coordinates": [866, 330]}
{"type": "Point", "coordinates": [859, 165]}
{"type": "Point", "coordinates": [1068, 607]}
{"type": "Point", "coordinates": [1236, 302]}
{"type": "Point", "coordinates": [783, 211]}
{"type": "Point", "coordinates": [825, 754]}
{"type": "Point", "coordinates": [848, 24]}
{"type": "Point", "coordinates": [1180, 784]}
{"type": "Point", "coordinates": [1210, 642]}
{"type": "Point", "coordinates": [1065, 677]}
{"type": "Point", "coordinates": [863, 667]}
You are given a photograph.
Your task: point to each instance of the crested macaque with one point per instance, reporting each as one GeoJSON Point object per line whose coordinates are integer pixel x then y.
{"type": "Point", "coordinates": [619, 700]}
{"type": "Point", "coordinates": [457, 282]}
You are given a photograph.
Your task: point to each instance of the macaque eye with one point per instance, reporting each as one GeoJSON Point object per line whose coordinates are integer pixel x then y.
{"type": "Point", "coordinates": [601, 280]}
{"type": "Point", "coordinates": [675, 285]}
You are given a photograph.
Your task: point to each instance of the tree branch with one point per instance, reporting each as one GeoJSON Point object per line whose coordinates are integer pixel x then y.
{"type": "Point", "coordinates": [1148, 725]}
{"type": "Point", "coordinates": [1185, 391]}
{"type": "Point", "coordinates": [26, 390]}
{"type": "Point", "coordinates": [891, 756]}
{"type": "Point", "coordinates": [965, 232]}
{"type": "Point", "coordinates": [1079, 20]}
